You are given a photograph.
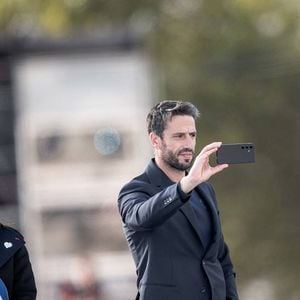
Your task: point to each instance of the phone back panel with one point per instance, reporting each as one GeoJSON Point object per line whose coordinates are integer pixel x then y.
{"type": "Point", "coordinates": [236, 153]}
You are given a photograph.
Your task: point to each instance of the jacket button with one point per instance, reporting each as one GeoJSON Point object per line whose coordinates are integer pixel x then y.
{"type": "Point", "coordinates": [203, 290]}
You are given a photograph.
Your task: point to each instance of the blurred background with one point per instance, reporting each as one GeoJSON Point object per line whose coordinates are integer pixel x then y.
{"type": "Point", "coordinates": [77, 78]}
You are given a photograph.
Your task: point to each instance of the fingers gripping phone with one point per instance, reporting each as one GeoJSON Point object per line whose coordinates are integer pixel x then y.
{"type": "Point", "coordinates": [236, 153]}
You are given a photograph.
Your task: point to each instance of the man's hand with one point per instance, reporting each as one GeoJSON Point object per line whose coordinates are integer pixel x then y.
{"type": "Point", "coordinates": [201, 170]}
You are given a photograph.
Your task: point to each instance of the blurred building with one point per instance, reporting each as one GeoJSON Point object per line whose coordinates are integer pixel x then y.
{"type": "Point", "coordinates": [8, 176]}
{"type": "Point", "coordinates": [80, 107]}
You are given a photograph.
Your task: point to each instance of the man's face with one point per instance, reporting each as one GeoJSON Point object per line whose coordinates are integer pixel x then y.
{"type": "Point", "coordinates": [178, 143]}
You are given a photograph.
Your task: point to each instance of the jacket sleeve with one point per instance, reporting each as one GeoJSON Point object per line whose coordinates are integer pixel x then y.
{"type": "Point", "coordinates": [24, 287]}
{"type": "Point", "coordinates": [142, 209]}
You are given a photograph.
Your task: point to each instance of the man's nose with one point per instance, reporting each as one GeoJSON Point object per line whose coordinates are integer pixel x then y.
{"type": "Point", "coordinates": [189, 142]}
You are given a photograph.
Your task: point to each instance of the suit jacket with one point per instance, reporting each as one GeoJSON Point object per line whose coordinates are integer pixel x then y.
{"type": "Point", "coordinates": [15, 266]}
{"type": "Point", "coordinates": [163, 236]}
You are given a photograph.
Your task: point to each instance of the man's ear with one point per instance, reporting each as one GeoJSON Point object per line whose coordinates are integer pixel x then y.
{"type": "Point", "coordinates": [155, 140]}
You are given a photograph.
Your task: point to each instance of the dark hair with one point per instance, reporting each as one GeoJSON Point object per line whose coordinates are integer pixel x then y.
{"type": "Point", "coordinates": [163, 112]}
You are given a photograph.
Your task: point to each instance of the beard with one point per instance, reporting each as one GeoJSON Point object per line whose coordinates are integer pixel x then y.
{"type": "Point", "coordinates": [171, 158]}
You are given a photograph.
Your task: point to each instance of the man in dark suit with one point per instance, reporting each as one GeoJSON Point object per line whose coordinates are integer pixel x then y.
{"type": "Point", "coordinates": [170, 215]}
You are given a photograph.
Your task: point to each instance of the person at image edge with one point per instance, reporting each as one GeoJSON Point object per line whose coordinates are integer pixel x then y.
{"type": "Point", "coordinates": [16, 276]}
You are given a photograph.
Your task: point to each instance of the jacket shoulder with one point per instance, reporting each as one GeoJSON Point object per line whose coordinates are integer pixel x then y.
{"type": "Point", "coordinates": [137, 184]}
{"type": "Point", "coordinates": [10, 232]}
{"type": "Point", "coordinates": [11, 240]}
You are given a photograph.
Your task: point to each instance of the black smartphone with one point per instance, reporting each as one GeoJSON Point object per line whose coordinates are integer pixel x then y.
{"type": "Point", "coordinates": [236, 153]}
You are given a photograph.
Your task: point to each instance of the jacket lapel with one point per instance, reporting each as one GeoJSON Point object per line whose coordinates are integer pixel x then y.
{"type": "Point", "coordinates": [213, 209]}
{"type": "Point", "coordinates": [157, 177]}
{"type": "Point", "coordinates": [187, 210]}
{"type": "Point", "coordinates": [190, 215]}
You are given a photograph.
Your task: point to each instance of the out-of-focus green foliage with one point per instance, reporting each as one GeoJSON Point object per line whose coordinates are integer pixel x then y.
{"type": "Point", "coordinates": [239, 60]}
{"type": "Point", "coordinates": [60, 17]}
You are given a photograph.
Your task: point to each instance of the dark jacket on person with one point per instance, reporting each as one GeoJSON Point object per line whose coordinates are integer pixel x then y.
{"type": "Point", "coordinates": [166, 244]}
{"type": "Point", "coordinates": [15, 267]}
